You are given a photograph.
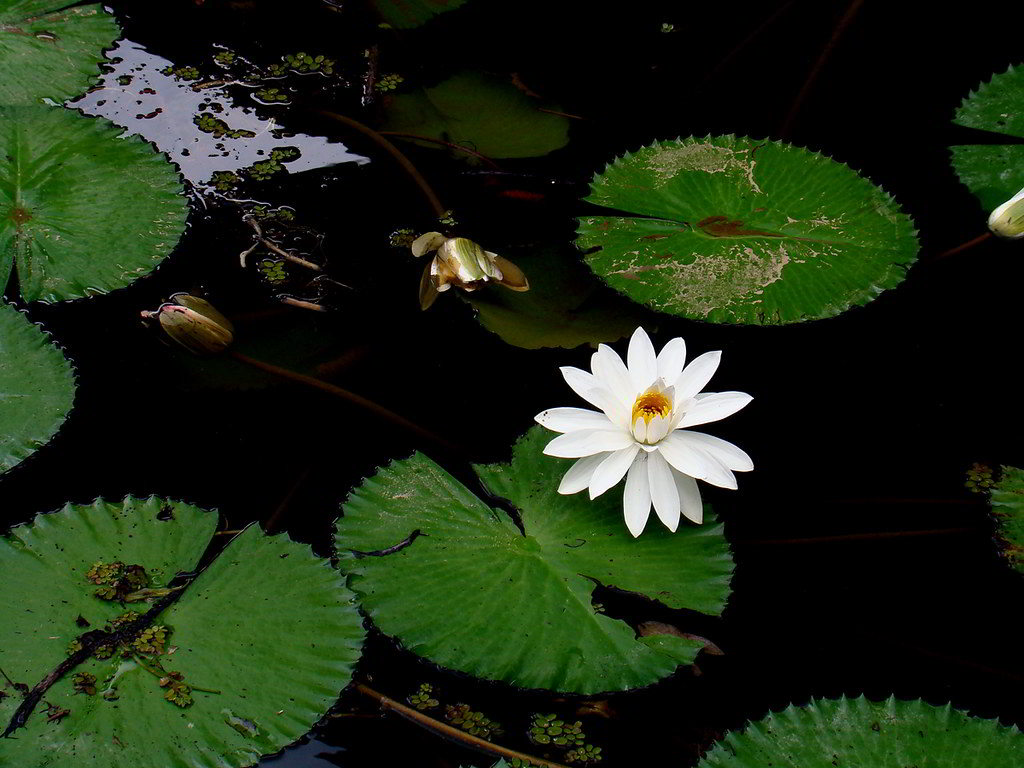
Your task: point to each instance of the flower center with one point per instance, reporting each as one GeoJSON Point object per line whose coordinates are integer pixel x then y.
{"type": "Point", "coordinates": [651, 404]}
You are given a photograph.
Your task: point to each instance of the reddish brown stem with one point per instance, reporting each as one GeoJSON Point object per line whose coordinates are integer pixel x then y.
{"type": "Point", "coordinates": [473, 742]}
{"type": "Point", "coordinates": [352, 397]}
{"type": "Point", "coordinates": [963, 246]}
{"type": "Point", "coordinates": [812, 76]}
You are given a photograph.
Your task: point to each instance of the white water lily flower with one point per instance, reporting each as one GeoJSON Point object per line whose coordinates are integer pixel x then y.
{"type": "Point", "coordinates": [640, 431]}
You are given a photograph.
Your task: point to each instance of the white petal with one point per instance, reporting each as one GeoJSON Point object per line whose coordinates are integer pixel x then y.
{"type": "Point", "coordinates": [579, 474]}
{"type": "Point", "coordinates": [689, 497]}
{"type": "Point", "coordinates": [612, 469]}
{"type": "Point", "coordinates": [588, 387]}
{"type": "Point", "coordinates": [587, 442]}
{"type": "Point", "coordinates": [578, 380]}
{"type": "Point", "coordinates": [696, 375]}
{"type": "Point", "coordinates": [658, 428]}
{"type": "Point", "coordinates": [663, 491]}
{"type": "Point", "coordinates": [714, 406]}
{"type": "Point", "coordinates": [572, 419]}
{"type": "Point", "coordinates": [671, 360]}
{"type": "Point", "coordinates": [643, 365]}
{"type": "Point", "coordinates": [640, 429]}
{"type": "Point", "coordinates": [611, 373]}
{"type": "Point", "coordinates": [694, 462]}
{"type": "Point", "coordinates": [730, 455]}
{"type": "Point", "coordinates": [430, 241]}
{"type": "Point", "coordinates": [636, 498]}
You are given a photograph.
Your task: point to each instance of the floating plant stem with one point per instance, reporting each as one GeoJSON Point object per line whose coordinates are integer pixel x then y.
{"type": "Point", "coordinates": [293, 302]}
{"type": "Point", "coordinates": [442, 142]}
{"type": "Point", "coordinates": [428, 191]}
{"type": "Point", "coordinates": [812, 76]}
{"type": "Point", "coordinates": [964, 246]}
{"type": "Point", "coordinates": [352, 397]}
{"type": "Point", "coordinates": [270, 245]}
{"type": "Point", "coordinates": [450, 732]}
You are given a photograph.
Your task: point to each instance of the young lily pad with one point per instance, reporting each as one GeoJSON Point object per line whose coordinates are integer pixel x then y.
{"type": "Point", "coordinates": [37, 387]}
{"type": "Point", "coordinates": [867, 734]}
{"type": "Point", "coordinates": [993, 172]}
{"type": "Point", "coordinates": [50, 51]}
{"type": "Point", "coordinates": [1007, 500]}
{"type": "Point", "coordinates": [82, 210]}
{"type": "Point", "coordinates": [565, 306]}
{"type": "Point", "coordinates": [480, 112]}
{"type": "Point", "coordinates": [268, 625]}
{"type": "Point", "coordinates": [407, 14]}
{"type": "Point", "coordinates": [735, 230]}
{"type": "Point", "coordinates": [472, 593]}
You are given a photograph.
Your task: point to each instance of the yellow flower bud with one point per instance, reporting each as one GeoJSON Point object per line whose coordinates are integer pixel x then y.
{"type": "Point", "coordinates": [194, 323]}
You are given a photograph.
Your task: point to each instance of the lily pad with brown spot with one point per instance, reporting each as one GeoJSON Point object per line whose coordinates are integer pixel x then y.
{"type": "Point", "coordinates": [738, 230]}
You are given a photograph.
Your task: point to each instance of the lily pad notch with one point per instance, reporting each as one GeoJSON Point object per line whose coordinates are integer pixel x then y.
{"type": "Point", "coordinates": [736, 230]}
{"type": "Point", "coordinates": [474, 594]}
{"type": "Point", "coordinates": [993, 172]}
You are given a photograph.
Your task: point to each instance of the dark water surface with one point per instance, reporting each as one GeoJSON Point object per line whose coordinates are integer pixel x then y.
{"type": "Point", "coordinates": [861, 424]}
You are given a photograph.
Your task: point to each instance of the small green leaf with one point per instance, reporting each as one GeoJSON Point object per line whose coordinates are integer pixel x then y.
{"type": "Point", "coordinates": [474, 594]}
{"type": "Point", "coordinates": [1007, 501]}
{"type": "Point", "coordinates": [268, 625]}
{"type": "Point", "coordinates": [37, 387]}
{"type": "Point", "coordinates": [743, 231]}
{"type": "Point", "coordinates": [480, 112]}
{"type": "Point", "coordinates": [82, 210]}
{"type": "Point", "coordinates": [993, 172]}
{"type": "Point", "coordinates": [50, 51]}
{"type": "Point", "coordinates": [565, 306]}
{"type": "Point", "coordinates": [865, 734]}
{"type": "Point", "coordinates": [407, 14]}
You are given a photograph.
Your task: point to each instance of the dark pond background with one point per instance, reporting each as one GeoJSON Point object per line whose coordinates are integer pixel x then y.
{"type": "Point", "coordinates": [862, 425]}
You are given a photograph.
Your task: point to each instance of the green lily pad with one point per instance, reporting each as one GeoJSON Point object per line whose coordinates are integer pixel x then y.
{"type": "Point", "coordinates": [993, 172]}
{"type": "Point", "coordinates": [480, 112]}
{"type": "Point", "coordinates": [743, 231]}
{"type": "Point", "coordinates": [565, 306]}
{"type": "Point", "coordinates": [407, 14]}
{"type": "Point", "coordinates": [50, 51]}
{"type": "Point", "coordinates": [268, 624]}
{"type": "Point", "coordinates": [82, 210]}
{"type": "Point", "coordinates": [1007, 500]}
{"type": "Point", "coordinates": [474, 594]}
{"type": "Point", "coordinates": [37, 387]}
{"type": "Point", "coordinates": [867, 734]}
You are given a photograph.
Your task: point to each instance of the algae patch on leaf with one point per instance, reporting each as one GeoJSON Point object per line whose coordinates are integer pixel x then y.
{"type": "Point", "coordinates": [267, 629]}
{"type": "Point", "coordinates": [734, 230]}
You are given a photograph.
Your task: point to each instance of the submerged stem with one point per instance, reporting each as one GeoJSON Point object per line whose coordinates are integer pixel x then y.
{"type": "Point", "coordinates": [344, 394]}
{"type": "Point", "coordinates": [450, 732]}
{"type": "Point", "coordinates": [396, 153]}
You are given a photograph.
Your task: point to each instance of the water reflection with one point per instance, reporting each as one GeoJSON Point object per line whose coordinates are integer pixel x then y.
{"type": "Point", "coordinates": [137, 94]}
{"type": "Point", "coordinates": [307, 754]}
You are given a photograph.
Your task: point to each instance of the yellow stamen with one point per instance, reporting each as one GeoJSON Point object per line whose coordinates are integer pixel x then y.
{"type": "Point", "coordinates": [650, 404]}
